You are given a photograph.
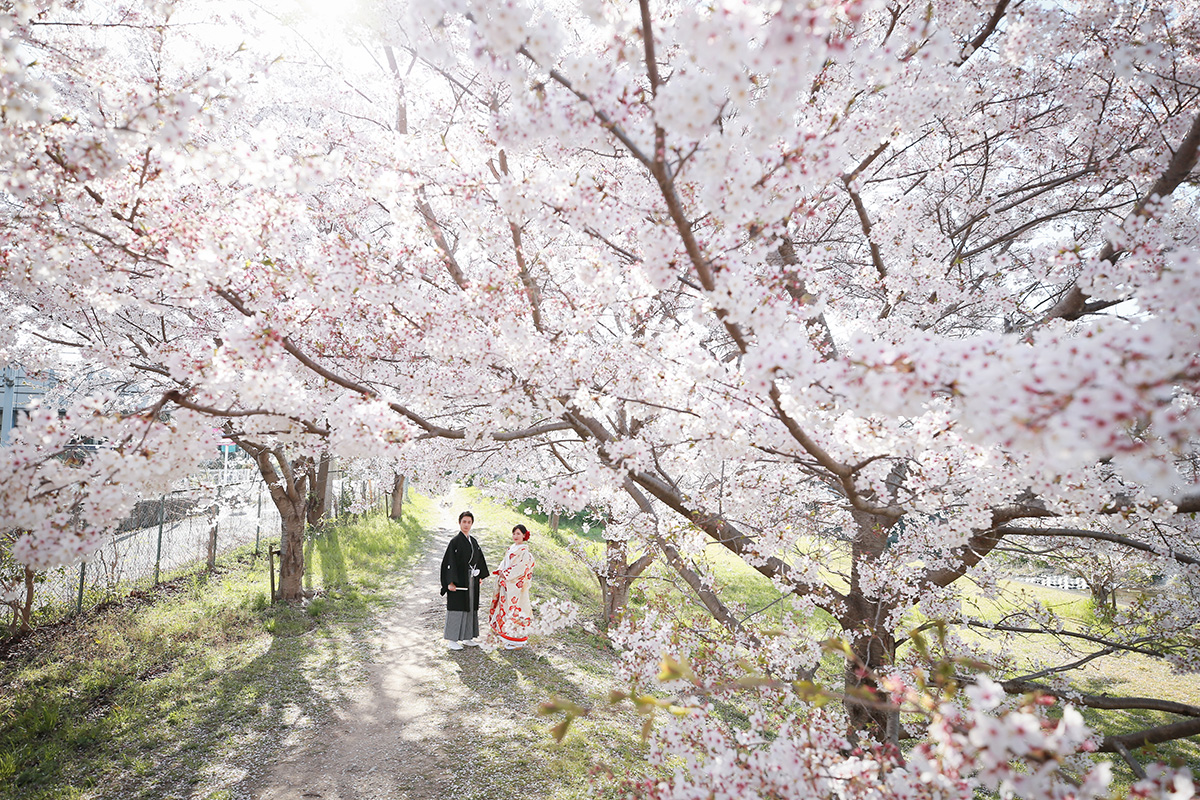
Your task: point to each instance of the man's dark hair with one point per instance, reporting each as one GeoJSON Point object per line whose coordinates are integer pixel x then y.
{"type": "Point", "coordinates": [466, 514]}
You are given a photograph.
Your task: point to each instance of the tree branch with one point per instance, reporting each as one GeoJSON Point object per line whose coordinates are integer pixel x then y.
{"type": "Point", "coordinates": [1102, 701]}
{"type": "Point", "coordinates": [605, 120]}
{"type": "Point", "coordinates": [988, 28]}
{"type": "Point", "coordinates": [648, 44]}
{"type": "Point", "coordinates": [720, 612]}
{"type": "Point", "coordinates": [431, 430]}
{"type": "Point", "coordinates": [1073, 303]}
{"type": "Point", "coordinates": [183, 401]}
{"type": "Point", "coordinates": [1100, 536]}
{"type": "Point", "coordinates": [1065, 634]}
{"type": "Point", "coordinates": [1150, 736]}
{"type": "Point", "coordinates": [439, 238]}
{"type": "Point", "coordinates": [863, 219]}
{"type": "Point", "coordinates": [714, 525]}
{"type": "Point", "coordinates": [531, 287]}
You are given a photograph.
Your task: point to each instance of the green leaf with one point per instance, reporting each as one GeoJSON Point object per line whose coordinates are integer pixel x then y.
{"type": "Point", "coordinates": [672, 670]}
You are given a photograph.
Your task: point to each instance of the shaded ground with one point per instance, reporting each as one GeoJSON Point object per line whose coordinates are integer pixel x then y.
{"type": "Point", "coordinates": [428, 722]}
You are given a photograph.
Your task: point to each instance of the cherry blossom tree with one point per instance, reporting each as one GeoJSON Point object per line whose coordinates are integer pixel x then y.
{"type": "Point", "coordinates": [142, 152]}
{"type": "Point", "coordinates": [849, 267]}
{"type": "Point", "coordinates": [864, 293]}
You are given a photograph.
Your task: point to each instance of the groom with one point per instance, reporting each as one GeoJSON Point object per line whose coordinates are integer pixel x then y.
{"type": "Point", "coordinates": [463, 567]}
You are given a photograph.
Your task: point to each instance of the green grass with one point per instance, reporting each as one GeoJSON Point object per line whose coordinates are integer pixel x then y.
{"type": "Point", "coordinates": [140, 698]}
{"type": "Point", "coordinates": [744, 590]}
{"type": "Point", "coordinates": [575, 664]}
{"type": "Point", "coordinates": [151, 696]}
{"type": "Point", "coordinates": [1127, 675]}
{"type": "Point", "coordinates": [516, 756]}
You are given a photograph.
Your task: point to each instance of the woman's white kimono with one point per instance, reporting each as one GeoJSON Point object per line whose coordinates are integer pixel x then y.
{"type": "Point", "coordinates": [511, 611]}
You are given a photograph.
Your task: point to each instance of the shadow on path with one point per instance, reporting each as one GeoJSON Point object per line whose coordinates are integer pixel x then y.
{"type": "Point", "coordinates": [427, 722]}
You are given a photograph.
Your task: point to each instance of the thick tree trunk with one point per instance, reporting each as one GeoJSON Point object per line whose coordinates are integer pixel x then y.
{"type": "Point", "coordinates": [321, 483]}
{"type": "Point", "coordinates": [874, 650]}
{"type": "Point", "coordinates": [293, 523]}
{"type": "Point", "coordinates": [399, 484]}
{"type": "Point", "coordinates": [1100, 597]}
{"type": "Point", "coordinates": [614, 596]}
{"type": "Point", "coordinates": [299, 490]}
{"type": "Point", "coordinates": [872, 642]}
{"type": "Point", "coordinates": [616, 580]}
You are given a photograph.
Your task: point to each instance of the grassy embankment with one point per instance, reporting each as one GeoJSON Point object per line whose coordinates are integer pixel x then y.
{"type": "Point", "coordinates": [1129, 675]}
{"type": "Point", "coordinates": [199, 683]}
{"type": "Point", "coordinates": [520, 758]}
{"type": "Point", "coordinates": [147, 697]}
{"type": "Point", "coordinates": [152, 697]}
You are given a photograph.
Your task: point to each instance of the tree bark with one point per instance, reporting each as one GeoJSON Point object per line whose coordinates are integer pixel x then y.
{"type": "Point", "coordinates": [399, 484]}
{"type": "Point", "coordinates": [872, 643]}
{"type": "Point", "coordinates": [1151, 736]}
{"type": "Point", "coordinates": [298, 488]}
{"type": "Point", "coordinates": [707, 596]}
{"type": "Point", "coordinates": [321, 482]}
{"type": "Point", "coordinates": [1104, 597]}
{"type": "Point", "coordinates": [616, 580]}
{"type": "Point", "coordinates": [293, 523]}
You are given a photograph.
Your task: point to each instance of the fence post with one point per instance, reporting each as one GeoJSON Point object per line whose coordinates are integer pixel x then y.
{"type": "Point", "coordinates": [213, 523]}
{"type": "Point", "coordinates": [82, 573]}
{"type": "Point", "coordinates": [271, 559]}
{"type": "Point", "coordinates": [258, 520]}
{"type": "Point", "coordinates": [162, 515]}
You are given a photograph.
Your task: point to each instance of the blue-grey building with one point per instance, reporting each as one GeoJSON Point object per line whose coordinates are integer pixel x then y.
{"type": "Point", "coordinates": [20, 393]}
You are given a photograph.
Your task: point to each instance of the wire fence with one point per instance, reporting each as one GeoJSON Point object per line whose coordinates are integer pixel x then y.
{"type": "Point", "coordinates": [218, 512]}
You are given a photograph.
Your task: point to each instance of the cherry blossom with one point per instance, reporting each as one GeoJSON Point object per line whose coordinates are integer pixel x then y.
{"type": "Point", "coordinates": [869, 296]}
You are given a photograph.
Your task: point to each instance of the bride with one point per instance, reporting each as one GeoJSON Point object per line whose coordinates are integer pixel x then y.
{"type": "Point", "coordinates": [511, 612]}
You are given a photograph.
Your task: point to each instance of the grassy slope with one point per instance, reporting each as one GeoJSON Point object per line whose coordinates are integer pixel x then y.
{"type": "Point", "coordinates": [141, 699]}
{"type": "Point", "coordinates": [198, 683]}
{"type": "Point", "coordinates": [147, 699]}
{"type": "Point", "coordinates": [1125, 675]}
{"type": "Point", "coordinates": [1129, 675]}
{"type": "Point", "coordinates": [521, 759]}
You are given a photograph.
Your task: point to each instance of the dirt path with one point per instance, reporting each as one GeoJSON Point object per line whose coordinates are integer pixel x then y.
{"type": "Point", "coordinates": [427, 722]}
{"type": "Point", "coordinates": [405, 724]}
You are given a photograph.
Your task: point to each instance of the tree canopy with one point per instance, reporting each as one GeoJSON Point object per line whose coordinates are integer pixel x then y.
{"type": "Point", "coordinates": [874, 295]}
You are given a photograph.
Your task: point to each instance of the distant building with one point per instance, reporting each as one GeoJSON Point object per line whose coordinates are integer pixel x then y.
{"type": "Point", "coordinates": [20, 393]}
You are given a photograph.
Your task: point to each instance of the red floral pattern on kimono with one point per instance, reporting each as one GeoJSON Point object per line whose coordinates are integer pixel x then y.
{"type": "Point", "coordinates": [511, 611]}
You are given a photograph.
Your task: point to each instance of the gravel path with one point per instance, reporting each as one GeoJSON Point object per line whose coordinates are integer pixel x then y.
{"type": "Point", "coordinates": [404, 735]}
